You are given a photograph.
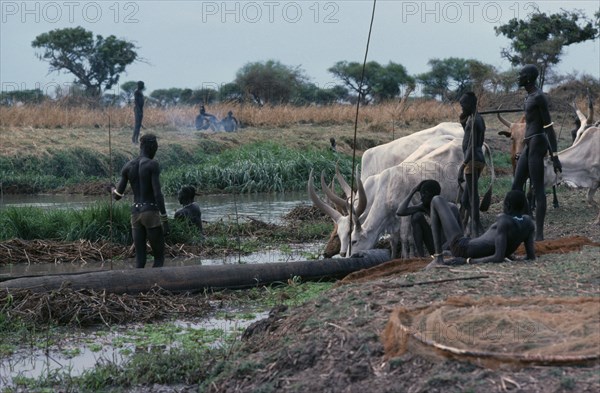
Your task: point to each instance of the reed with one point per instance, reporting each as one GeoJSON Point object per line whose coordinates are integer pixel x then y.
{"type": "Point", "coordinates": [58, 115]}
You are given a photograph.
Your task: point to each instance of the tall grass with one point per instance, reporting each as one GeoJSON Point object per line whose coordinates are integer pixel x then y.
{"type": "Point", "coordinates": [257, 167]}
{"type": "Point", "coordinates": [55, 115]}
{"type": "Point", "coordinates": [92, 223]}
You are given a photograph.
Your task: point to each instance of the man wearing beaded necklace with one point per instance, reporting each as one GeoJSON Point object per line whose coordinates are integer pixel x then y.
{"type": "Point", "coordinates": [148, 213]}
{"type": "Point", "coordinates": [539, 138]}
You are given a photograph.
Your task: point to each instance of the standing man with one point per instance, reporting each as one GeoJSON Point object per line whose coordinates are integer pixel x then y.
{"type": "Point", "coordinates": [148, 213]}
{"type": "Point", "coordinates": [474, 161]}
{"type": "Point", "coordinates": [138, 111]}
{"type": "Point", "coordinates": [539, 139]}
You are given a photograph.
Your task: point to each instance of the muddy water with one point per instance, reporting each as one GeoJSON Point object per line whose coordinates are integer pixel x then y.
{"type": "Point", "coordinates": [264, 207]}
{"type": "Point", "coordinates": [83, 351]}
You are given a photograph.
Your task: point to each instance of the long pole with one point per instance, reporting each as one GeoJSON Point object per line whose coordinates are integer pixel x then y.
{"type": "Point", "coordinates": [472, 196]}
{"type": "Point", "coordinates": [110, 174]}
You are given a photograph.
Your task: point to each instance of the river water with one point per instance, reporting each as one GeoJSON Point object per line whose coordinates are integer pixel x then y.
{"type": "Point", "coordinates": [84, 350]}
{"type": "Point", "coordinates": [268, 208]}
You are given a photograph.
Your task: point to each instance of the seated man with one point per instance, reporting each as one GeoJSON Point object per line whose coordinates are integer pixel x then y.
{"type": "Point", "coordinates": [421, 229]}
{"type": "Point", "coordinates": [190, 210]}
{"type": "Point", "coordinates": [230, 123]}
{"type": "Point", "coordinates": [499, 242]}
{"type": "Point", "coordinates": [204, 120]}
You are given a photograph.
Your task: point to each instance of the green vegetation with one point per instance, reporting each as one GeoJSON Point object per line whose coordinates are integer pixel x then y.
{"type": "Point", "coordinates": [199, 353]}
{"type": "Point", "coordinates": [256, 167]}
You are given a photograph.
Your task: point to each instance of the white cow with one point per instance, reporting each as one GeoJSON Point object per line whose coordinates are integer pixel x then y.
{"type": "Point", "coordinates": [379, 158]}
{"type": "Point", "coordinates": [393, 185]}
{"type": "Point", "coordinates": [580, 165]}
{"type": "Point", "coordinates": [367, 191]}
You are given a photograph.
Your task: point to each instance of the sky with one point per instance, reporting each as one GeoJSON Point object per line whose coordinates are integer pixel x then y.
{"type": "Point", "coordinates": [199, 44]}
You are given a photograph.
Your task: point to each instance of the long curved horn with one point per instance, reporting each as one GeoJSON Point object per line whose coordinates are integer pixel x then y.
{"type": "Point", "coordinates": [340, 203]}
{"type": "Point", "coordinates": [487, 197]}
{"type": "Point", "coordinates": [325, 208]}
{"type": "Point", "coordinates": [504, 121]}
{"type": "Point", "coordinates": [590, 119]}
{"type": "Point", "coordinates": [343, 182]}
{"type": "Point", "coordinates": [356, 220]}
{"type": "Point", "coordinates": [362, 196]}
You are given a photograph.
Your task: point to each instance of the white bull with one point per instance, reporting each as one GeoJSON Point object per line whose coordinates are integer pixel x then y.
{"type": "Point", "coordinates": [393, 184]}
{"type": "Point", "coordinates": [367, 192]}
{"type": "Point", "coordinates": [580, 165]}
{"type": "Point", "coordinates": [378, 158]}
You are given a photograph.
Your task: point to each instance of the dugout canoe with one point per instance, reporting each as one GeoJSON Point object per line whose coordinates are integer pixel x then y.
{"type": "Point", "coordinates": [199, 278]}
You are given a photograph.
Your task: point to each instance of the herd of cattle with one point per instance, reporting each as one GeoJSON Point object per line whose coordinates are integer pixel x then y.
{"type": "Point", "coordinates": [389, 172]}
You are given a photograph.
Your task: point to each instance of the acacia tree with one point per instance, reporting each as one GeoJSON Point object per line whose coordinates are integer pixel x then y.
{"type": "Point", "coordinates": [540, 38]}
{"type": "Point", "coordinates": [270, 81]}
{"type": "Point", "coordinates": [379, 82]}
{"type": "Point", "coordinates": [96, 62]}
{"type": "Point", "coordinates": [450, 77]}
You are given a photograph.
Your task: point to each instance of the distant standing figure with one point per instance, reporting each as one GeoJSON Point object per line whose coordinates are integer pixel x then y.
{"type": "Point", "coordinates": [138, 111]}
{"type": "Point", "coordinates": [230, 123]}
{"type": "Point", "coordinates": [333, 146]}
{"type": "Point", "coordinates": [190, 210]}
{"type": "Point", "coordinates": [148, 213]}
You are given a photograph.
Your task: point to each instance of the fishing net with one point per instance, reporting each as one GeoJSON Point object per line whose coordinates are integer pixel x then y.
{"type": "Point", "coordinates": [497, 331]}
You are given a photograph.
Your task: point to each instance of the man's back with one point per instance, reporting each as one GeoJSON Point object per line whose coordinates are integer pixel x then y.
{"type": "Point", "coordinates": [516, 229]}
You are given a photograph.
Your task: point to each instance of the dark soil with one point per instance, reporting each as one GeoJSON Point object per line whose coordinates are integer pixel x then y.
{"type": "Point", "coordinates": [334, 344]}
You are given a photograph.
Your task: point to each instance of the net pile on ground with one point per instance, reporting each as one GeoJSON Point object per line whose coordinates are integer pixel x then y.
{"type": "Point", "coordinates": [497, 331]}
{"type": "Point", "coordinates": [66, 306]}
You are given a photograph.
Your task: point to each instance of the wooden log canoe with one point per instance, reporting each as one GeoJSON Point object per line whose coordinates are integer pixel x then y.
{"type": "Point", "coordinates": [199, 278]}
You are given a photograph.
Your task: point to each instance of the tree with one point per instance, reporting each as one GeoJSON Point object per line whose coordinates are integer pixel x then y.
{"type": "Point", "coordinates": [270, 81]}
{"type": "Point", "coordinates": [96, 63]}
{"type": "Point", "coordinates": [451, 77]}
{"type": "Point", "coordinates": [10, 98]}
{"type": "Point", "coordinates": [167, 97]}
{"type": "Point", "coordinates": [379, 82]}
{"type": "Point", "coordinates": [540, 38]}
{"type": "Point", "coordinates": [127, 90]}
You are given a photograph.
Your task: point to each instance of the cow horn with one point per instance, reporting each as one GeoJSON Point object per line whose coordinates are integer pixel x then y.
{"type": "Point", "coordinates": [339, 203]}
{"type": "Point", "coordinates": [343, 182]}
{"type": "Point", "coordinates": [504, 121]}
{"type": "Point", "coordinates": [325, 208]}
{"type": "Point", "coordinates": [579, 114]}
{"type": "Point", "coordinates": [590, 119]}
{"type": "Point", "coordinates": [356, 219]}
{"type": "Point", "coordinates": [362, 196]}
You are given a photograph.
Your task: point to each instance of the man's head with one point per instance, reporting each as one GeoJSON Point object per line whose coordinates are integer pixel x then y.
{"type": "Point", "coordinates": [140, 85]}
{"type": "Point", "coordinates": [515, 202]}
{"type": "Point", "coordinates": [186, 195]}
{"type": "Point", "coordinates": [429, 189]}
{"type": "Point", "coordinates": [528, 75]}
{"type": "Point", "coordinates": [468, 103]}
{"type": "Point", "coordinates": [230, 113]}
{"type": "Point", "coordinates": [149, 145]}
